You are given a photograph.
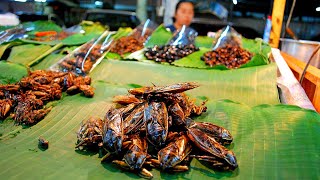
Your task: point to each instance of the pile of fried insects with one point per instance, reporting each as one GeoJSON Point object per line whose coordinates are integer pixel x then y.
{"type": "Point", "coordinates": [26, 99]}
{"type": "Point", "coordinates": [152, 127]}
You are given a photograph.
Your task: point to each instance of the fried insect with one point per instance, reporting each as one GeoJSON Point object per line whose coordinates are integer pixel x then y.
{"type": "Point", "coordinates": [90, 133]}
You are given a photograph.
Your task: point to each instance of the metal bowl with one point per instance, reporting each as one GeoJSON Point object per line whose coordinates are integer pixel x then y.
{"type": "Point", "coordinates": [302, 50]}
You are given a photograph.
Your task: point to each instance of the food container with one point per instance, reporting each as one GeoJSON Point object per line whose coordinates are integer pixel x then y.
{"type": "Point", "coordinates": [302, 50]}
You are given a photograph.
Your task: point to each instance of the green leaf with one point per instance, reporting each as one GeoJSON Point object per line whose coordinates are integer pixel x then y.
{"type": "Point", "coordinates": [25, 54]}
{"type": "Point", "coordinates": [3, 28]}
{"type": "Point", "coordinates": [256, 46]}
{"type": "Point", "coordinates": [79, 39]}
{"type": "Point", "coordinates": [267, 142]}
{"type": "Point", "coordinates": [265, 136]}
{"type": "Point", "coordinates": [39, 58]}
{"type": "Point", "coordinates": [92, 30]}
{"type": "Point", "coordinates": [138, 55]}
{"type": "Point", "coordinates": [193, 60]}
{"type": "Point", "coordinates": [114, 56]}
{"type": "Point", "coordinates": [253, 85]}
{"type": "Point", "coordinates": [42, 26]}
{"type": "Point", "coordinates": [92, 27]}
{"type": "Point", "coordinates": [30, 41]}
{"type": "Point", "coordinates": [48, 61]}
{"type": "Point", "coordinates": [11, 73]}
{"type": "Point", "coordinates": [122, 32]}
{"type": "Point", "coordinates": [68, 49]}
{"type": "Point", "coordinates": [4, 47]}
{"type": "Point", "coordinates": [204, 41]}
{"type": "Point", "coordinates": [160, 36]}
{"type": "Point", "coordinates": [256, 60]}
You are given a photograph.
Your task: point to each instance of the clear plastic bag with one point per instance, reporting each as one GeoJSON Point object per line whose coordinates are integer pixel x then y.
{"type": "Point", "coordinates": [179, 46]}
{"type": "Point", "coordinates": [185, 36]}
{"type": "Point", "coordinates": [11, 34]}
{"type": "Point", "coordinates": [135, 40]}
{"type": "Point", "coordinates": [144, 30]}
{"type": "Point", "coordinates": [227, 36]}
{"type": "Point", "coordinates": [86, 57]}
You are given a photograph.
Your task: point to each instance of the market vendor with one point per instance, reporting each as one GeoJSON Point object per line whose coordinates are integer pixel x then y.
{"type": "Point", "coordinates": [183, 15]}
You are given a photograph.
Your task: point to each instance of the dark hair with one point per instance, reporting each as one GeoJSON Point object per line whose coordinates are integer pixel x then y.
{"type": "Point", "coordinates": [183, 1]}
{"type": "Point", "coordinates": [178, 5]}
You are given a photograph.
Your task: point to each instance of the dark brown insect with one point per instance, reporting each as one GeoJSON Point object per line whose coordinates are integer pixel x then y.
{"type": "Point", "coordinates": [113, 131]}
{"type": "Point", "coordinates": [156, 118]}
{"type": "Point", "coordinates": [174, 88]}
{"type": "Point", "coordinates": [90, 133]}
{"type": "Point", "coordinates": [215, 153]}
{"type": "Point", "coordinates": [220, 134]}
{"type": "Point", "coordinates": [173, 154]}
{"type": "Point", "coordinates": [135, 157]}
{"type": "Point", "coordinates": [43, 143]}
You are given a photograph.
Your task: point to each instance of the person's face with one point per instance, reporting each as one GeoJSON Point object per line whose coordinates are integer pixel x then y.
{"type": "Point", "coordinates": [184, 14]}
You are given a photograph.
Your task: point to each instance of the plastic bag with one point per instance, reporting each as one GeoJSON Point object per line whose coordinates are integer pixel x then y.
{"type": "Point", "coordinates": [134, 41]}
{"type": "Point", "coordinates": [180, 45]}
{"type": "Point", "coordinates": [144, 30]}
{"type": "Point", "coordinates": [185, 36]}
{"type": "Point", "coordinates": [227, 36]}
{"type": "Point", "coordinates": [11, 34]}
{"type": "Point", "coordinates": [84, 58]}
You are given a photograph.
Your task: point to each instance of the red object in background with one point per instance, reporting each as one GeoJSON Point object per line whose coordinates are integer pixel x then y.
{"type": "Point", "coordinates": [46, 33]}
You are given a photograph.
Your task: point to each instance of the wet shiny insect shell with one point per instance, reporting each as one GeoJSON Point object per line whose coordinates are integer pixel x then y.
{"type": "Point", "coordinates": [156, 118]}
{"type": "Point", "coordinates": [174, 153]}
{"type": "Point", "coordinates": [113, 131]}
{"type": "Point", "coordinates": [216, 153]}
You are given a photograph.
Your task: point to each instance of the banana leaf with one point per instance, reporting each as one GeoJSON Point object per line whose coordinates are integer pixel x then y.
{"type": "Point", "coordinates": [92, 27]}
{"type": "Point", "coordinates": [3, 28]}
{"type": "Point", "coordinates": [48, 61]}
{"type": "Point", "coordinates": [42, 26]}
{"type": "Point", "coordinates": [252, 86]}
{"type": "Point", "coordinates": [11, 73]}
{"type": "Point", "coordinates": [270, 142]}
{"type": "Point", "coordinates": [92, 30]}
{"type": "Point", "coordinates": [161, 36]}
{"type": "Point", "coordinates": [256, 46]}
{"type": "Point", "coordinates": [122, 32]}
{"type": "Point", "coordinates": [29, 54]}
{"type": "Point", "coordinates": [204, 41]}
{"type": "Point", "coordinates": [4, 47]}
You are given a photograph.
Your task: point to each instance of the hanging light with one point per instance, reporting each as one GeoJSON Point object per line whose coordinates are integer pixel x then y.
{"type": "Point", "coordinates": [235, 2]}
{"type": "Point", "coordinates": [318, 8]}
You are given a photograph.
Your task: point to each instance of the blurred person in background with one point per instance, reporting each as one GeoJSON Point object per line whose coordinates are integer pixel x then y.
{"type": "Point", "coordinates": [183, 15]}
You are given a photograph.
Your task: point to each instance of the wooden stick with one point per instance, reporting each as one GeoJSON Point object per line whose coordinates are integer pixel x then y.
{"type": "Point", "coordinates": [277, 18]}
